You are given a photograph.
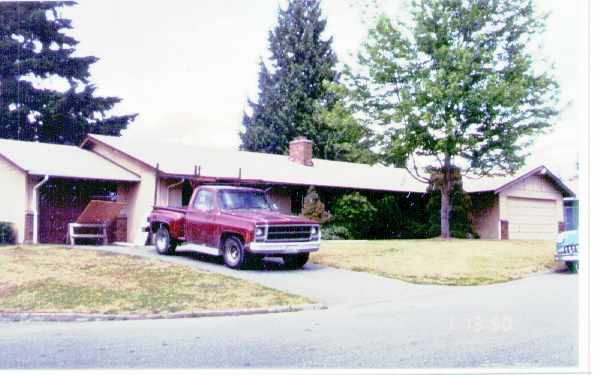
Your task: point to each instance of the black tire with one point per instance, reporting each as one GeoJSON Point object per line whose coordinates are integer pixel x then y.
{"type": "Point", "coordinates": [163, 243]}
{"type": "Point", "coordinates": [234, 255]}
{"type": "Point", "coordinates": [296, 260]}
{"type": "Point", "coordinates": [573, 266]}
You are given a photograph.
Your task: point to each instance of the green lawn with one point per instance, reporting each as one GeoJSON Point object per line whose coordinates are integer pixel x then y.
{"type": "Point", "coordinates": [435, 261]}
{"type": "Point", "coordinates": [54, 279]}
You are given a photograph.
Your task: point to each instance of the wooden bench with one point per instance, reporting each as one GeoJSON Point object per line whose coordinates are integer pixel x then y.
{"type": "Point", "coordinates": [100, 235]}
{"type": "Point", "coordinates": [96, 216]}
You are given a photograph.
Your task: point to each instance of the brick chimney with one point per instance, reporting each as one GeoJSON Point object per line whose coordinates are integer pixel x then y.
{"type": "Point", "coordinates": [300, 150]}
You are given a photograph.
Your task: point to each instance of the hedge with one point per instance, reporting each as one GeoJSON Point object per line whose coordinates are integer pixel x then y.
{"type": "Point", "coordinates": [7, 233]}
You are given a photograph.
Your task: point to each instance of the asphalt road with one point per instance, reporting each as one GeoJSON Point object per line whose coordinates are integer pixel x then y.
{"type": "Point", "coordinates": [371, 322]}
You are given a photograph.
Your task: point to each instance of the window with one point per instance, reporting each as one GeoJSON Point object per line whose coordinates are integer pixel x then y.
{"type": "Point", "coordinates": [204, 201]}
{"type": "Point", "coordinates": [240, 200]}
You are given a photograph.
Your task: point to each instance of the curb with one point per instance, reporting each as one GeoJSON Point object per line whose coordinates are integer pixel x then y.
{"type": "Point", "coordinates": [80, 317]}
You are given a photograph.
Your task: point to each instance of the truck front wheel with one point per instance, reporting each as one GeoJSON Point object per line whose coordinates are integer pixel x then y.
{"type": "Point", "coordinates": [296, 260]}
{"type": "Point", "coordinates": [233, 253]}
{"type": "Point", "coordinates": [573, 266]}
{"type": "Point", "coordinates": [163, 242]}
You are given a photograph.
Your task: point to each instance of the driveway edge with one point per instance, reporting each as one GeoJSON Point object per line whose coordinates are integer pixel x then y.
{"type": "Point", "coordinates": [81, 317]}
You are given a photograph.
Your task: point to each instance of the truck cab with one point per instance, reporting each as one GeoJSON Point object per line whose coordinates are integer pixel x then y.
{"type": "Point", "coordinates": [238, 223]}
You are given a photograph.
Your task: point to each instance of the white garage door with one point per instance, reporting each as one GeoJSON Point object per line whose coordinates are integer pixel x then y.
{"type": "Point", "coordinates": [532, 219]}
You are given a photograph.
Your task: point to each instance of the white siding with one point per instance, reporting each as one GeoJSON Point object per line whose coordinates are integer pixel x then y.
{"type": "Point", "coordinates": [486, 216]}
{"type": "Point", "coordinates": [139, 196]}
{"type": "Point", "coordinates": [13, 197]}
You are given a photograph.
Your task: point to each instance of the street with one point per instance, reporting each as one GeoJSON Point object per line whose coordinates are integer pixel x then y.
{"type": "Point", "coordinates": [383, 324]}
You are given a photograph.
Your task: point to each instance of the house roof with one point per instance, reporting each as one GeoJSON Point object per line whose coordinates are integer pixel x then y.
{"type": "Point", "coordinates": [181, 160]}
{"type": "Point", "coordinates": [499, 184]}
{"type": "Point", "coordinates": [53, 160]}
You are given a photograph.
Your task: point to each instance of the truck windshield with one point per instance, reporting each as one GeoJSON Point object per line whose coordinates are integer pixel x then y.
{"type": "Point", "coordinates": [239, 200]}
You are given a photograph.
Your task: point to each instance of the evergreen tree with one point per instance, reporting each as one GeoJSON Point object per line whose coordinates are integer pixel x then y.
{"type": "Point", "coordinates": [343, 136]}
{"type": "Point", "coordinates": [34, 52]}
{"type": "Point", "coordinates": [293, 91]}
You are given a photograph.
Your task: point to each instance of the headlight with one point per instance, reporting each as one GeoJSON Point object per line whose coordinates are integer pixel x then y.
{"type": "Point", "coordinates": [560, 238]}
{"type": "Point", "coordinates": [314, 231]}
{"type": "Point", "coordinates": [259, 232]}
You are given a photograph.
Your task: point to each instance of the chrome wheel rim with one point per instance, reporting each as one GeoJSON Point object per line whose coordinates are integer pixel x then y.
{"type": "Point", "coordinates": [161, 241]}
{"type": "Point", "coordinates": [233, 254]}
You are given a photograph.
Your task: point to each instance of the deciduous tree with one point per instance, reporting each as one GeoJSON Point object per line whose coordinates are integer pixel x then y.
{"type": "Point", "coordinates": [457, 89]}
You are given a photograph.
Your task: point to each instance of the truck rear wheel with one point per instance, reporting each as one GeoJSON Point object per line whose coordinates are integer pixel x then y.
{"type": "Point", "coordinates": [234, 255]}
{"type": "Point", "coordinates": [296, 260]}
{"type": "Point", "coordinates": [163, 242]}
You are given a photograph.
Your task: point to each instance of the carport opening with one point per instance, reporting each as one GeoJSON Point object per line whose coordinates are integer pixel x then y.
{"type": "Point", "coordinates": [61, 201]}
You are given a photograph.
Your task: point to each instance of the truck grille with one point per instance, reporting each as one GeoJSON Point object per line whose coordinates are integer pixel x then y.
{"type": "Point", "coordinates": [569, 249]}
{"type": "Point", "coordinates": [292, 233]}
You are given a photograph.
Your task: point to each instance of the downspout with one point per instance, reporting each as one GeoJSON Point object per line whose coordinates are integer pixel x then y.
{"type": "Point", "coordinates": [35, 207]}
{"type": "Point", "coordinates": [156, 182]}
{"type": "Point", "coordinates": [172, 186]}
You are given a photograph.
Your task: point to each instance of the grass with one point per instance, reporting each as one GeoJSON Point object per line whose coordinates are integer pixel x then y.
{"type": "Point", "coordinates": [54, 279]}
{"type": "Point", "coordinates": [435, 261]}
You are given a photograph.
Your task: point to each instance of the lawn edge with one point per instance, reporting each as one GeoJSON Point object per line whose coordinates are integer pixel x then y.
{"type": "Point", "coordinates": [378, 274]}
{"type": "Point", "coordinates": [75, 317]}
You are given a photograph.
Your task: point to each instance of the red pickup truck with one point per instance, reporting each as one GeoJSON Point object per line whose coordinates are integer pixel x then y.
{"type": "Point", "coordinates": [238, 223]}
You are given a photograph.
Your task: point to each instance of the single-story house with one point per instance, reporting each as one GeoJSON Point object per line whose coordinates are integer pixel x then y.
{"type": "Point", "coordinates": [37, 178]}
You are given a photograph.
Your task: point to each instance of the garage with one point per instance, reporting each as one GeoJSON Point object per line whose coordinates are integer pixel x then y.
{"type": "Point", "coordinates": [61, 201]}
{"type": "Point", "coordinates": [532, 218]}
{"type": "Point", "coordinates": [526, 207]}
{"type": "Point", "coordinates": [45, 187]}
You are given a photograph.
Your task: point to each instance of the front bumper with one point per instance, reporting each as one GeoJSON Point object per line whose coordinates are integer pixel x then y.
{"type": "Point", "coordinates": [283, 248]}
{"type": "Point", "coordinates": [566, 258]}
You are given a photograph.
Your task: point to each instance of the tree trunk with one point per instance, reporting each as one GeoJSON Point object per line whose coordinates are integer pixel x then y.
{"type": "Point", "coordinates": [445, 211]}
{"type": "Point", "coordinates": [445, 189]}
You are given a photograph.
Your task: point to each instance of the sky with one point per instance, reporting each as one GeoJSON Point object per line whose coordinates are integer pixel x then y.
{"type": "Point", "coordinates": [188, 67]}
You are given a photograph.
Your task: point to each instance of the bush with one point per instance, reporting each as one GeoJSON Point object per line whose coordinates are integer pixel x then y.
{"type": "Point", "coordinates": [354, 212]}
{"type": "Point", "coordinates": [335, 232]}
{"type": "Point", "coordinates": [460, 213]}
{"type": "Point", "coordinates": [7, 233]}
{"type": "Point", "coordinates": [313, 208]}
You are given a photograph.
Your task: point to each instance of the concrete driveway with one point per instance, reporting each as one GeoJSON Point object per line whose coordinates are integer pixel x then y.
{"type": "Point", "coordinates": [330, 286]}
{"type": "Point", "coordinates": [371, 322]}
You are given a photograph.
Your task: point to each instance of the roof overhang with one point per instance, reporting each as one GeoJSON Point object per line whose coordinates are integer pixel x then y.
{"type": "Point", "coordinates": [82, 177]}
{"type": "Point", "coordinates": [62, 161]}
{"type": "Point", "coordinates": [541, 170]}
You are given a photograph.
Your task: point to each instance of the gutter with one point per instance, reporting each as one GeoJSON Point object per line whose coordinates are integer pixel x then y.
{"type": "Point", "coordinates": [35, 207]}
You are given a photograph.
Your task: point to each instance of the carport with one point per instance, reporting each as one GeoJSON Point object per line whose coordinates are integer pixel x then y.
{"type": "Point", "coordinates": [46, 186]}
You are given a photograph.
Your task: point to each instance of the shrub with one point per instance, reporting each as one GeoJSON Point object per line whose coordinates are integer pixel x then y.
{"type": "Point", "coordinates": [460, 213]}
{"type": "Point", "coordinates": [335, 232]}
{"type": "Point", "coordinates": [7, 233]}
{"type": "Point", "coordinates": [313, 208]}
{"type": "Point", "coordinates": [354, 212]}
